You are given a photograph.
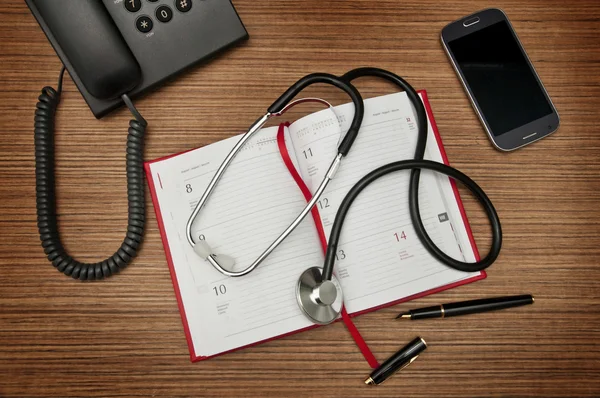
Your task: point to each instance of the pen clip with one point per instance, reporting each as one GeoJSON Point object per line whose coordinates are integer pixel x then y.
{"type": "Point", "coordinates": [408, 363]}
{"type": "Point", "coordinates": [400, 369]}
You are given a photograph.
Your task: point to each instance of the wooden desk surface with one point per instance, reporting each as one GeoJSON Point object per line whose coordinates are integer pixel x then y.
{"type": "Point", "coordinates": [123, 336]}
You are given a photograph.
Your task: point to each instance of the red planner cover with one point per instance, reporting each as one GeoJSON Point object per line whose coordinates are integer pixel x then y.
{"type": "Point", "coordinates": [354, 332]}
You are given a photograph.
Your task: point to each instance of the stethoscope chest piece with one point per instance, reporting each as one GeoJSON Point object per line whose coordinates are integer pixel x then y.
{"type": "Point", "coordinates": [321, 301]}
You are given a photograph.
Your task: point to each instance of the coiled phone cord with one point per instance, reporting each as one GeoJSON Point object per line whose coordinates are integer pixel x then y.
{"type": "Point", "coordinates": [46, 199]}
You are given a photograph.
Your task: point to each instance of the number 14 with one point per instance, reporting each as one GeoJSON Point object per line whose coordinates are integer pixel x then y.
{"type": "Point", "coordinates": [401, 236]}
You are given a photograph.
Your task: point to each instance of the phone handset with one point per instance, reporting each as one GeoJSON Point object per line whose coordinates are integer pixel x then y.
{"type": "Point", "coordinates": [90, 45]}
{"type": "Point", "coordinates": [87, 40]}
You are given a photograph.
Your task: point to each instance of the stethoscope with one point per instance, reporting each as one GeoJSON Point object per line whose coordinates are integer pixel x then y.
{"type": "Point", "coordinates": [318, 292]}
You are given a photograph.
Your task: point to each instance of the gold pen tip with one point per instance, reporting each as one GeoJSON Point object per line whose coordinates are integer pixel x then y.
{"type": "Point", "coordinates": [403, 316]}
{"type": "Point", "coordinates": [369, 382]}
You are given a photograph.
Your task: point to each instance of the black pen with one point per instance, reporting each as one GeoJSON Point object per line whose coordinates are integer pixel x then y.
{"type": "Point", "coordinates": [468, 307]}
{"type": "Point", "coordinates": [404, 357]}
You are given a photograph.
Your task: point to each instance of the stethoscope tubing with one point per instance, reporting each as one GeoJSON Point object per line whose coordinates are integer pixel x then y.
{"type": "Point", "coordinates": [415, 165]}
{"type": "Point", "coordinates": [411, 164]}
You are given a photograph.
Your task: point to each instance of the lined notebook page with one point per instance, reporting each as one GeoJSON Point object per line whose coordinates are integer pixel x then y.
{"type": "Point", "coordinates": [252, 204]}
{"type": "Point", "coordinates": [379, 258]}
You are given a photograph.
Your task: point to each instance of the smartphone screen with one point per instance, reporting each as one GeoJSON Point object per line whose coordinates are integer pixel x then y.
{"type": "Point", "coordinates": [500, 78]}
{"type": "Point", "coordinates": [502, 84]}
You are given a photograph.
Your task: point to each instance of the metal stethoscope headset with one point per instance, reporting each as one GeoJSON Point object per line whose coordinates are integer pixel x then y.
{"type": "Point", "coordinates": [318, 292]}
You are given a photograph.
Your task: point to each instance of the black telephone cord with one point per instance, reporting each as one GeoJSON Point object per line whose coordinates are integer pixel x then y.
{"type": "Point", "coordinates": [46, 198]}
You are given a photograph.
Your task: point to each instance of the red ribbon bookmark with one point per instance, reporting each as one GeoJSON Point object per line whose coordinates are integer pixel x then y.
{"type": "Point", "coordinates": [360, 342]}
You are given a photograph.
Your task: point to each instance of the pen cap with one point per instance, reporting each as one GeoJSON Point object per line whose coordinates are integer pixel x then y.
{"type": "Point", "coordinates": [404, 357]}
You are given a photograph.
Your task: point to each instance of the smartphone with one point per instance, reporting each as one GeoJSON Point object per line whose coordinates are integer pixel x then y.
{"type": "Point", "coordinates": [500, 80]}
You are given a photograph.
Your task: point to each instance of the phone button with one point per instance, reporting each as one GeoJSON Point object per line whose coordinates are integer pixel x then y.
{"type": "Point", "coordinates": [133, 5]}
{"type": "Point", "coordinates": [144, 24]}
{"type": "Point", "coordinates": [164, 14]}
{"type": "Point", "coordinates": [183, 5]}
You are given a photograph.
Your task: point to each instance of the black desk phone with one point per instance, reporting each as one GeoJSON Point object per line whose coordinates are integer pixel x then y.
{"type": "Point", "coordinates": [115, 50]}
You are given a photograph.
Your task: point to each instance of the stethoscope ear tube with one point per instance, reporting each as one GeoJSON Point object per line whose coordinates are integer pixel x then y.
{"type": "Point", "coordinates": [284, 102]}
{"type": "Point", "coordinates": [413, 96]}
{"type": "Point", "coordinates": [333, 80]}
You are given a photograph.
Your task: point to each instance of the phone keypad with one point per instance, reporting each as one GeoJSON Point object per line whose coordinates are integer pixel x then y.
{"type": "Point", "coordinates": [163, 13]}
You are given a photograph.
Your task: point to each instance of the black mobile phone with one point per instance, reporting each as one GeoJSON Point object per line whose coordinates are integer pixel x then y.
{"type": "Point", "coordinates": [500, 80]}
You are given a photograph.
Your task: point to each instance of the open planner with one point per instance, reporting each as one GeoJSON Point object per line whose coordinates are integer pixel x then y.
{"type": "Point", "coordinates": [380, 261]}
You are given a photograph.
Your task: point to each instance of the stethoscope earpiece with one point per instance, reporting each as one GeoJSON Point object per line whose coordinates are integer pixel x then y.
{"type": "Point", "coordinates": [204, 251]}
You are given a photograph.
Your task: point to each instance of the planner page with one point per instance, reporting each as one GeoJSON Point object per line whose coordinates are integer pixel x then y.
{"type": "Point", "coordinates": [253, 203]}
{"type": "Point", "coordinates": [379, 258]}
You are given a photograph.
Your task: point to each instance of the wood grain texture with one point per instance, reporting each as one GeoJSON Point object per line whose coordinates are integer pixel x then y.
{"type": "Point", "coordinates": [123, 336]}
